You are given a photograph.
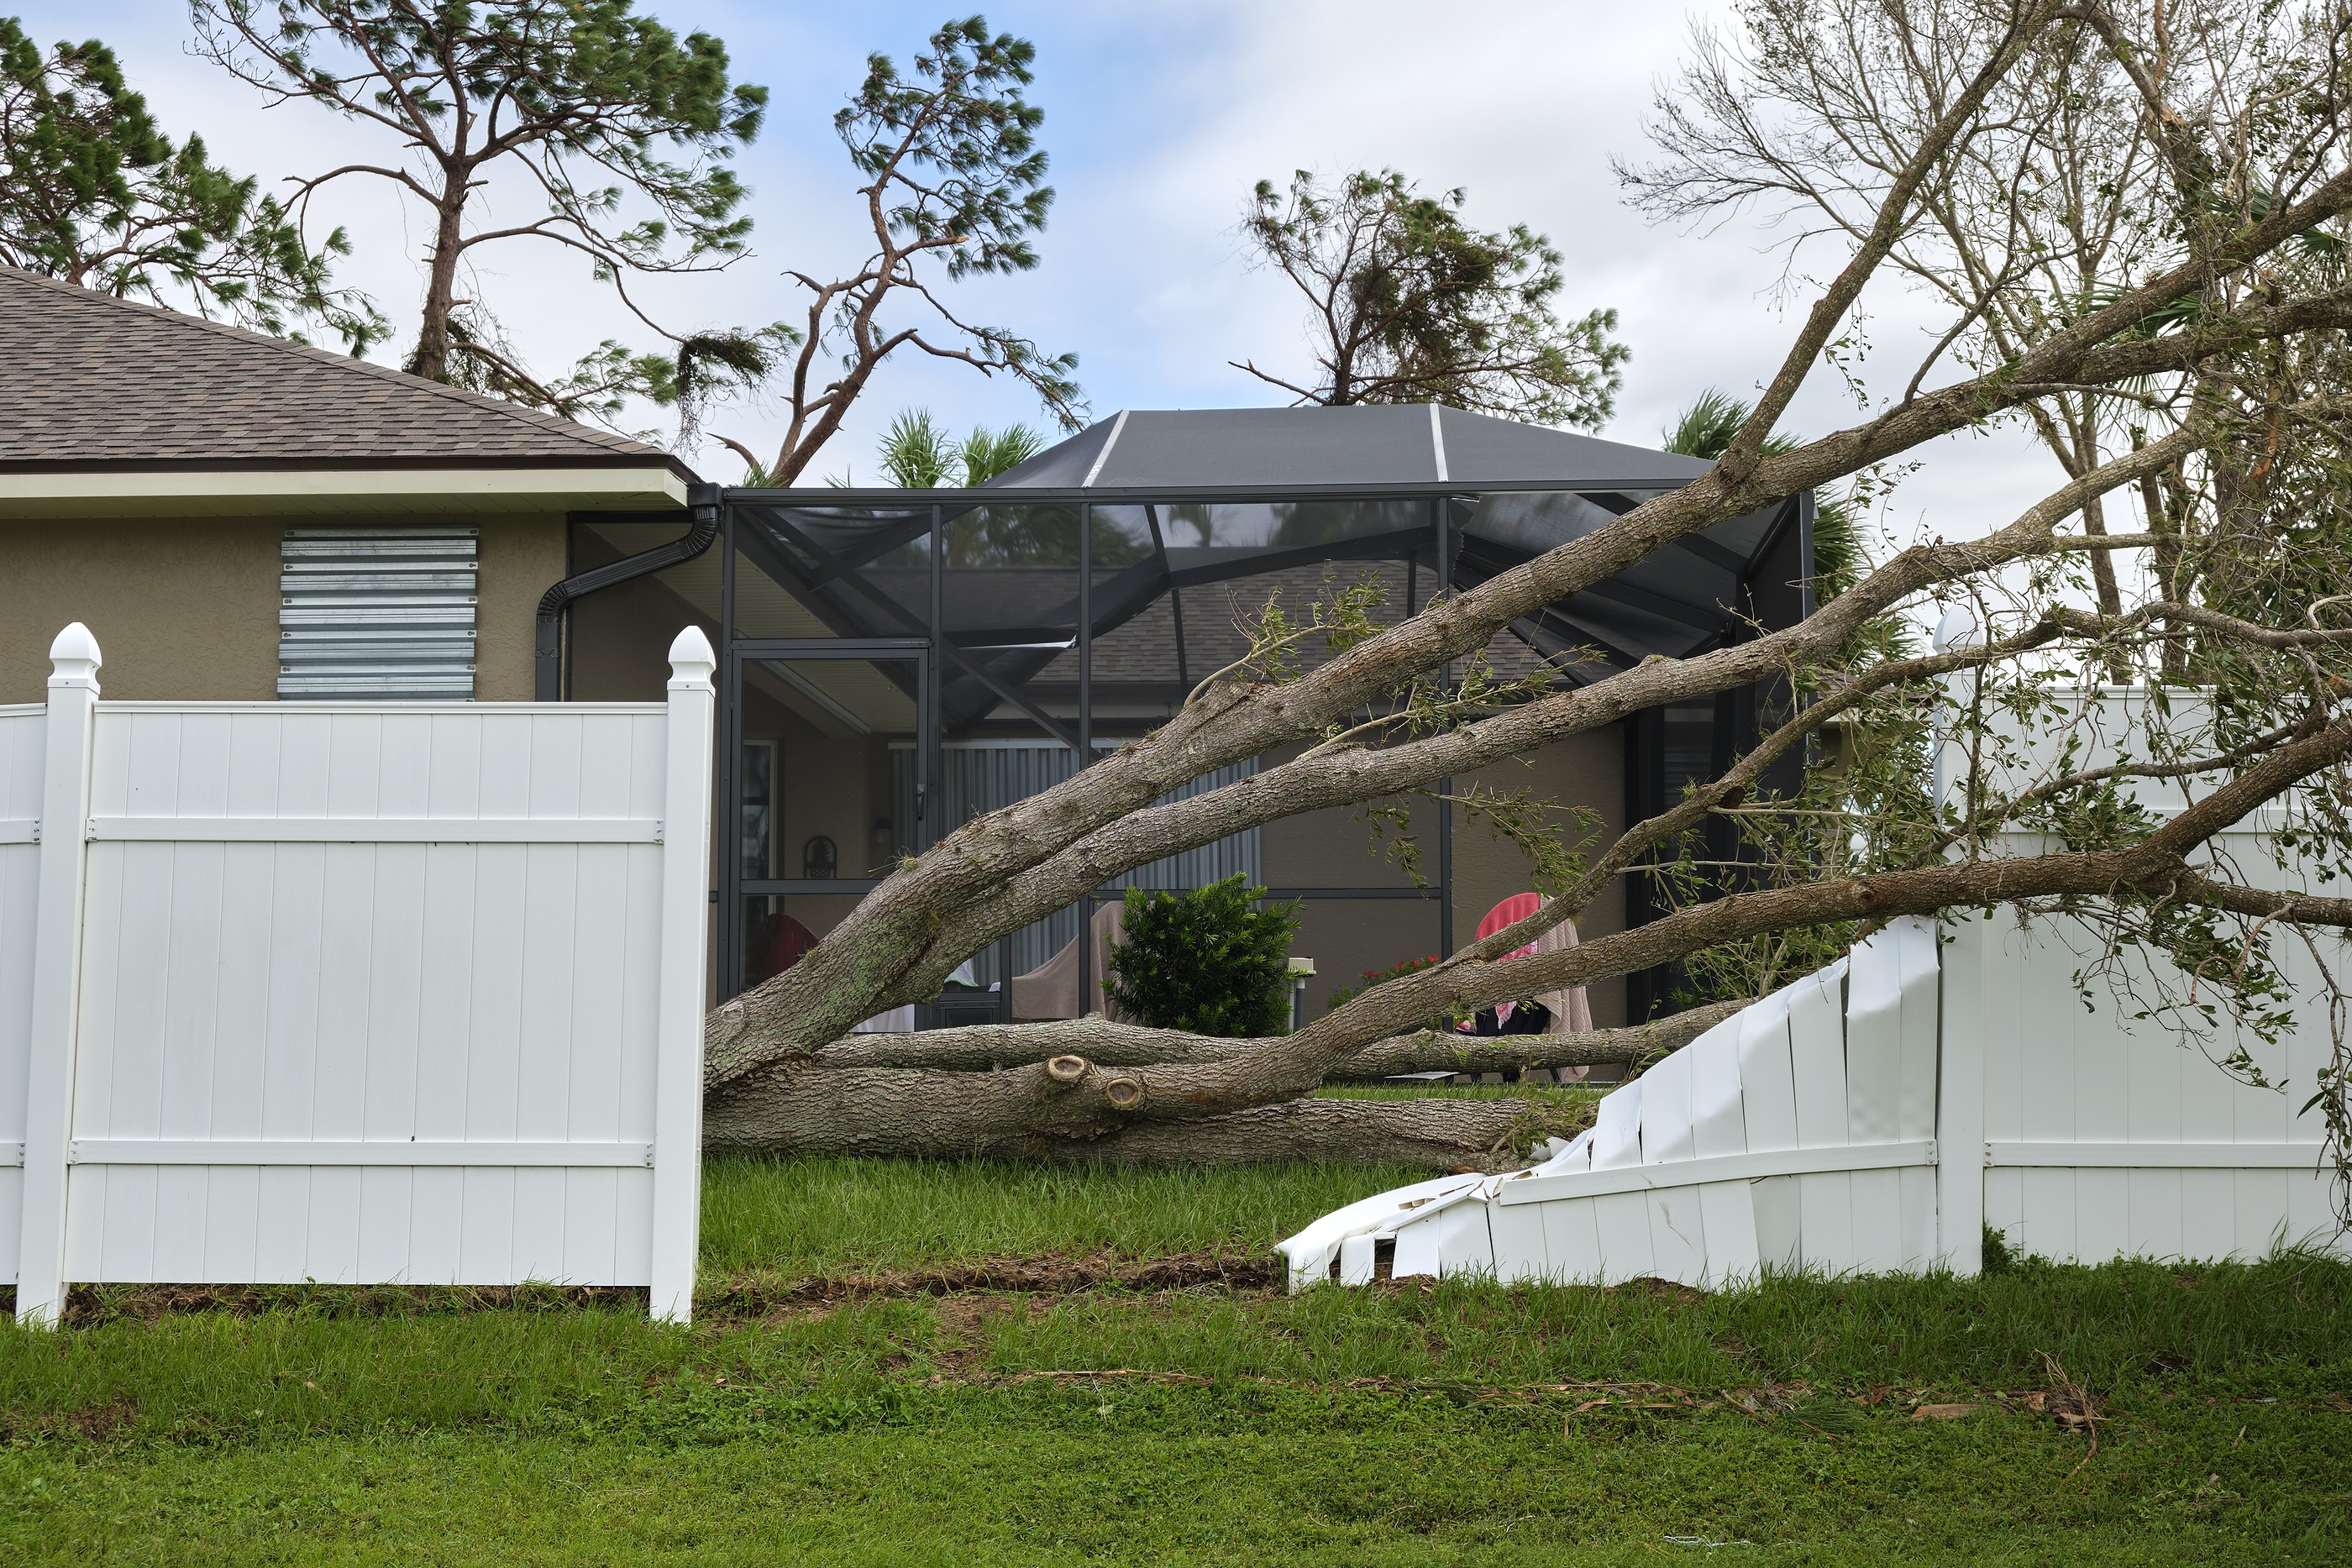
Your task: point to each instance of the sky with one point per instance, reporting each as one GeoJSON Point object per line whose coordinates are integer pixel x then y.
{"type": "Point", "coordinates": [1159, 117]}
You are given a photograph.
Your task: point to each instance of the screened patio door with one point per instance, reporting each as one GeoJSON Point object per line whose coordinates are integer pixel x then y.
{"type": "Point", "coordinates": [829, 753]}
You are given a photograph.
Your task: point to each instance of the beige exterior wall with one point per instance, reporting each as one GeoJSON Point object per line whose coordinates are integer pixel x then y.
{"type": "Point", "coordinates": [181, 609]}
{"type": "Point", "coordinates": [187, 608]}
{"type": "Point", "coordinates": [521, 559]}
{"type": "Point", "coordinates": [618, 646]}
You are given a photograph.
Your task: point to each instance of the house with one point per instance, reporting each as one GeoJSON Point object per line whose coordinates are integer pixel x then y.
{"type": "Point", "coordinates": [238, 517]}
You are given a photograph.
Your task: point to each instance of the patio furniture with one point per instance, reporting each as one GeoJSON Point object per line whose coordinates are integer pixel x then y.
{"type": "Point", "coordinates": [1572, 1012]}
{"type": "Point", "coordinates": [1051, 990]}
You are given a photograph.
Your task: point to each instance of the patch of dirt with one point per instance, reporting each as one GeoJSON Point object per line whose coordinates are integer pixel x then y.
{"type": "Point", "coordinates": [1050, 1276]}
{"type": "Point", "coordinates": [966, 1293]}
{"type": "Point", "coordinates": [88, 1306]}
{"type": "Point", "coordinates": [961, 1351]}
{"type": "Point", "coordinates": [98, 1422]}
{"type": "Point", "coordinates": [1672, 1290]}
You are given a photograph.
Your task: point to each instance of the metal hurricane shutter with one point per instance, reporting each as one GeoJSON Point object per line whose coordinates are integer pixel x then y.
{"type": "Point", "coordinates": [377, 614]}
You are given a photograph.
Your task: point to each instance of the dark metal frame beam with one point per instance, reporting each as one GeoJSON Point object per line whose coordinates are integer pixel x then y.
{"type": "Point", "coordinates": [874, 498]}
{"type": "Point", "coordinates": [906, 617]}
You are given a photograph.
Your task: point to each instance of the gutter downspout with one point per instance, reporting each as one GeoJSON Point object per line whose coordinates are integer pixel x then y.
{"type": "Point", "coordinates": [702, 504]}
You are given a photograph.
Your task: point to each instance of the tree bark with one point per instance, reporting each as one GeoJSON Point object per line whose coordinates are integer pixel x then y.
{"type": "Point", "coordinates": [883, 953]}
{"type": "Point", "coordinates": [431, 359]}
{"type": "Point", "coordinates": [1042, 853]}
{"type": "Point", "coordinates": [1431, 1053]}
{"type": "Point", "coordinates": [1070, 1108]}
{"type": "Point", "coordinates": [952, 1115]}
{"type": "Point", "coordinates": [985, 1047]}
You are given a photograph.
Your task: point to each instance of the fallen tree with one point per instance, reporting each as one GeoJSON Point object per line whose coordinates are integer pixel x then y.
{"type": "Point", "coordinates": [991, 1048]}
{"type": "Point", "coordinates": [2219, 342]}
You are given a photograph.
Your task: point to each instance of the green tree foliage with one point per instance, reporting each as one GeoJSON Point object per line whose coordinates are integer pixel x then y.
{"type": "Point", "coordinates": [1706, 428]}
{"type": "Point", "coordinates": [955, 189]}
{"type": "Point", "coordinates": [985, 453]}
{"type": "Point", "coordinates": [1210, 961]}
{"type": "Point", "coordinates": [1410, 304]}
{"type": "Point", "coordinates": [917, 453]}
{"type": "Point", "coordinates": [619, 128]}
{"type": "Point", "coordinates": [94, 192]}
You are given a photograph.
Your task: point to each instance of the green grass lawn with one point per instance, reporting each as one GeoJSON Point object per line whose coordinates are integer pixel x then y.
{"type": "Point", "coordinates": [792, 1218]}
{"type": "Point", "coordinates": [1401, 1424]}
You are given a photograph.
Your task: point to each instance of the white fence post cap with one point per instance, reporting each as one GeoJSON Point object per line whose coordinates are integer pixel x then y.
{"type": "Point", "coordinates": [1958, 629]}
{"type": "Point", "coordinates": [691, 662]}
{"type": "Point", "coordinates": [74, 658]}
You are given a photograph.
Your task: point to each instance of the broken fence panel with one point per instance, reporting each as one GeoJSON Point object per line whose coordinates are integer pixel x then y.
{"type": "Point", "coordinates": [1872, 1117]}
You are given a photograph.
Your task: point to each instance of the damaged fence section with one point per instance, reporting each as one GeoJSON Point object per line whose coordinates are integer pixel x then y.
{"type": "Point", "coordinates": [1876, 1116]}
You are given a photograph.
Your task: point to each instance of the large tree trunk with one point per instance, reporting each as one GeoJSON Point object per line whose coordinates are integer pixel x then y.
{"type": "Point", "coordinates": [944, 1095]}
{"type": "Point", "coordinates": [988, 1047]}
{"type": "Point", "coordinates": [966, 1115]}
{"type": "Point", "coordinates": [431, 358]}
{"type": "Point", "coordinates": [779, 1074]}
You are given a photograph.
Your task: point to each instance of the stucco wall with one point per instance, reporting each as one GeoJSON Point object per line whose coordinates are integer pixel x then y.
{"type": "Point", "coordinates": [181, 609]}
{"type": "Point", "coordinates": [618, 648]}
{"type": "Point", "coordinates": [187, 608]}
{"type": "Point", "coordinates": [521, 559]}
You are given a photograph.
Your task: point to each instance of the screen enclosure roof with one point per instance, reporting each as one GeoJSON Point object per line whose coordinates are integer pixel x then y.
{"type": "Point", "coordinates": [1189, 497]}
{"type": "Point", "coordinates": [1353, 448]}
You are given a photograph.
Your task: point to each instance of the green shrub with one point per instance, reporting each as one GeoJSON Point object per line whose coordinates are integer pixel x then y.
{"type": "Point", "coordinates": [1209, 961]}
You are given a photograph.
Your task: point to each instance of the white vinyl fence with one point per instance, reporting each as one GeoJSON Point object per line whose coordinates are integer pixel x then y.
{"type": "Point", "coordinates": [352, 992]}
{"type": "Point", "coordinates": [1876, 1116]}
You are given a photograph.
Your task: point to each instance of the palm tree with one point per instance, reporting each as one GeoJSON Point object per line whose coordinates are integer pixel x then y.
{"type": "Point", "coordinates": [1705, 431]}
{"type": "Point", "coordinates": [917, 454]}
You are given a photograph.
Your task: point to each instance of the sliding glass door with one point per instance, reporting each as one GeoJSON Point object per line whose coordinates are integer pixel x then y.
{"type": "Point", "coordinates": [828, 765]}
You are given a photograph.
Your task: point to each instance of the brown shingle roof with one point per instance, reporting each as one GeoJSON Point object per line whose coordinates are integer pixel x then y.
{"type": "Point", "coordinates": [91, 380]}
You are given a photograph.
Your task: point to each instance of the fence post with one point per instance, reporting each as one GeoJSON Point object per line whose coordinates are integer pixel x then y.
{"type": "Point", "coordinates": [1960, 981]}
{"type": "Point", "coordinates": [685, 964]}
{"type": "Point", "coordinates": [56, 971]}
{"type": "Point", "coordinates": [1960, 1096]}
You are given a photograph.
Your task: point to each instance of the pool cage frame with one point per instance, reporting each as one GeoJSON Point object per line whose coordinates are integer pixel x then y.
{"type": "Point", "coordinates": [755, 526]}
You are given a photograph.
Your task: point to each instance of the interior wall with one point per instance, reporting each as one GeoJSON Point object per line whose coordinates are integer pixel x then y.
{"type": "Point", "coordinates": [1332, 849]}
{"type": "Point", "coordinates": [185, 608]}
{"type": "Point", "coordinates": [1347, 936]}
{"type": "Point", "coordinates": [834, 786]}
